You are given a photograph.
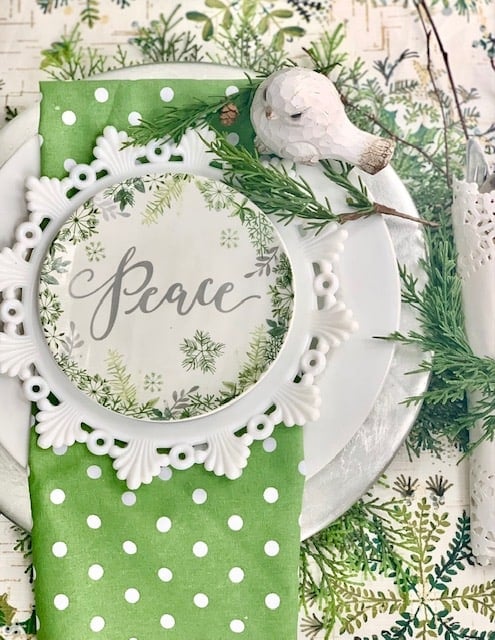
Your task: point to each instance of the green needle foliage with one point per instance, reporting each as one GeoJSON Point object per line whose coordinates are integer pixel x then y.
{"type": "Point", "coordinates": [173, 122]}
{"type": "Point", "coordinates": [270, 188]}
{"type": "Point", "coordinates": [455, 369]}
{"type": "Point", "coordinates": [276, 193]}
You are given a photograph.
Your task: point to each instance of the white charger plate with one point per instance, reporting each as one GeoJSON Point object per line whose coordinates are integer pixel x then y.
{"type": "Point", "coordinates": [362, 421]}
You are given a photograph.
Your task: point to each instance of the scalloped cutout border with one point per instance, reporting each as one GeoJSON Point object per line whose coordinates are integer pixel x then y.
{"type": "Point", "coordinates": [319, 324]}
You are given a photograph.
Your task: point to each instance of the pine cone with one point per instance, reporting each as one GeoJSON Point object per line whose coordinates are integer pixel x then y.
{"type": "Point", "coordinates": [229, 114]}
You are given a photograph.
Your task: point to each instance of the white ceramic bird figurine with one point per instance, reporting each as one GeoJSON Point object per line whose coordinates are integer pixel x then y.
{"type": "Point", "coordinates": [298, 114]}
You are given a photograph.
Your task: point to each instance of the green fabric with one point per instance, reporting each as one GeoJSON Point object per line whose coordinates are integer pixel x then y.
{"type": "Point", "coordinates": [124, 98]}
{"type": "Point", "coordinates": [121, 565]}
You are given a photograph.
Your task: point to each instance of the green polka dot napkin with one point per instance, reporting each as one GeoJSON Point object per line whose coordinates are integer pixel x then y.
{"type": "Point", "coordinates": [191, 556]}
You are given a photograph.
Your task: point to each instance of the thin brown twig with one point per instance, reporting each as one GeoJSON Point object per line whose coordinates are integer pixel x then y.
{"type": "Point", "coordinates": [445, 56]}
{"type": "Point", "coordinates": [436, 90]}
{"type": "Point", "coordinates": [388, 211]}
{"type": "Point", "coordinates": [392, 134]}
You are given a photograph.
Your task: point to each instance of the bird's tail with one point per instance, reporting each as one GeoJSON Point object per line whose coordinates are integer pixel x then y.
{"type": "Point", "coordinates": [375, 153]}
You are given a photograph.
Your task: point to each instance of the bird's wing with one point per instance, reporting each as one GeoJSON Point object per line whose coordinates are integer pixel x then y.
{"type": "Point", "coordinates": [302, 151]}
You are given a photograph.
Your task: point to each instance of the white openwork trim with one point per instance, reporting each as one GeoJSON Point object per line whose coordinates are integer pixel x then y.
{"type": "Point", "coordinates": [219, 440]}
{"type": "Point", "coordinates": [474, 221]}
{"type": "Point", "coordinates": [482, 486]}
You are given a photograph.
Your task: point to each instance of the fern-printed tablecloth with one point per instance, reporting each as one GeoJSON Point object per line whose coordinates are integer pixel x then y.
{"type": "Point", "coordinates": [398, 564]}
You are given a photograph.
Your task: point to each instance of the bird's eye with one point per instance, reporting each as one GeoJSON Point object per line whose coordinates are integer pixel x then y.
{"type": "Point", "coordinates": [264, 93]}
{"type": "Point", "coordinates": [296, 116]}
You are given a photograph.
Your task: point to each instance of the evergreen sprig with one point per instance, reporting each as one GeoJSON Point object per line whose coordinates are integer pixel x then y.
{"type": "Point", "coordinates": [270, 188]}
{"type": "Point", "coordinates": [456, 370]}
{"type": "Point", "coordinates": [173, 122]}
{"type": "Point", "coordinates": [276, 193]}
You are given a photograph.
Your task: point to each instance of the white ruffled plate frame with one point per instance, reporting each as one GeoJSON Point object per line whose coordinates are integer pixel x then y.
{"type": "Point", "coordinates": [319, 324]}
{"type": "Point", "coordinates": [365, 455]}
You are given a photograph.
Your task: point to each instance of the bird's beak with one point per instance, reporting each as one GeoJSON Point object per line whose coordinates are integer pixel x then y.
{"type": "Point", "coordinates": [269, 113]}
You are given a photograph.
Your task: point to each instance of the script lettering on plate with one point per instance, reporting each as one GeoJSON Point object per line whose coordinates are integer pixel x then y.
{"type": "Point", "coordinates": [145, 298]}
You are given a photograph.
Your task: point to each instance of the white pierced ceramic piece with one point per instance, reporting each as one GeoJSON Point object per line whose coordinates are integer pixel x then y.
{"type": "Point", "coordinates": [473, 220]}
{"type": "Point", "coordinates": [149, 445]}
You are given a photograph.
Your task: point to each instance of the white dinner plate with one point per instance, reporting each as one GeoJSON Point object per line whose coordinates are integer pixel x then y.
{"type": "Point", "coordinates": [362, 422]}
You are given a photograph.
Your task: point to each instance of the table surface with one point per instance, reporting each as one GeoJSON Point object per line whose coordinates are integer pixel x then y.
{"type": "Point", "coordinates": [379, 31]}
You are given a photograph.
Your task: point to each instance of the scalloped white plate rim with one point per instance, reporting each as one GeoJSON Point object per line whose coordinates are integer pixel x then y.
{"type": "Point", "coordinates": [316, 513]}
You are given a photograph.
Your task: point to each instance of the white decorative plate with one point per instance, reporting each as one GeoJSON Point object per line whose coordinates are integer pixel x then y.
{"type": "Point", "coordinates": [368, 276]}
{"type": "Point", "coordinates": [123, 278]}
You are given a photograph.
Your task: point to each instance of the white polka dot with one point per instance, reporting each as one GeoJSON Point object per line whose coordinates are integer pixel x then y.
{"type": "Point", "coordinates": [101, 94]}
{"type": "Point", "coordinates": [132, 596]}
{"type": "Point", "coordinates": [129, 498]}
{"type": "Point", "coordinates": [93, 522]}
{"type": "Point", "coordinates": [235, 523]}
{"type": "Point", "coordinates": [59, 549]}
{"type": "Point", "coordinates": [237, 626]}
{"type": "Point", "coordinates": [94, 472]}
{"type": "Point", "coordinates": [270, 495]}
{"type": "Point", "coordinates": [201, 600]}
{"type": "Point", "coordinates": [134, 118]}
{"type": "Point", "coordinates": [165, 473]}
{"type": "Point", "coordinates": [57, 496]}
{"type": "Point", "coordinates": [231, 90]}
{"type": "Point", "coordinates": [61, 601]}
{"type": "Point", "coordinates": [167, 94]}
{"type": "Point", "coordinates": [69, 163]}
{"type": "Point", "coordinates": [165, 574]}
{"type": "Point", "coordinates": [96, 571]}
{"type": "Point", "coordinates": [167, 621]}
{"type": "Point", "coordinates": [269, 445]}
{"type": "Point", "coordinates": [69, 118]}
{"type": "Point", "coordinates": [236, 575]}
{"type": "Point", "coordinates": [272, 601]}
{"type": "Point", "coordinates": [200, 549]}
{"type": "Point", "coordinates": [302, 467]}
{"type": "Point", "coordinates": [233, 138]}
{"type": "Point", "coordinates": [60, 451]}
{"type": "Point", "coordinates": [129, 547]}
{"type": "Point", "coordinates": [272, 548]}
{"type": "Point", "coordinates": [163, 524]}
{"type": "Point", "coordinates": [38, 624]}
{"type": "Point", "coordinates": [97, 624]}
{"type": "Point", "coordinates": [199, 496]}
